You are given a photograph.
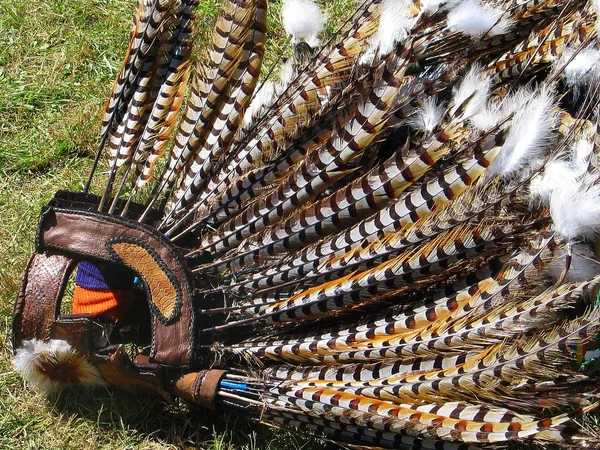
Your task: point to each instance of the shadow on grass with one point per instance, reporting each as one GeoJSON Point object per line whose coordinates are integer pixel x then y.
{"type": "Point", "coordinates": [145, 418]}
{"type": "Point", "coordinates": [184, 427]}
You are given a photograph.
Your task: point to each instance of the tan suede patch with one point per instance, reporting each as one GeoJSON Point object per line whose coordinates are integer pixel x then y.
{"type": "Point", "coordinates": [162, 290]}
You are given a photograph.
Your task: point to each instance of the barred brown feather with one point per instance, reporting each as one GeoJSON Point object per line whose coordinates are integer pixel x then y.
{"type": "Point", "coordinates": [362, 264]}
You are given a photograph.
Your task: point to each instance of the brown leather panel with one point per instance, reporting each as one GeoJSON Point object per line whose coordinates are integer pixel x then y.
{"type": "Point", "coordinates": [93, 235]}
{"type": "Point", "coordinates": [74, 330]}
{"type": "Point", "coordinates": [37, 302]}
{"type": "Point", "coordinates": [164, 293]}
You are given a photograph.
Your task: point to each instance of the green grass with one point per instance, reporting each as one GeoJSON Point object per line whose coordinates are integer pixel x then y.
{"type": "Point", "coordinates": [57, 61]}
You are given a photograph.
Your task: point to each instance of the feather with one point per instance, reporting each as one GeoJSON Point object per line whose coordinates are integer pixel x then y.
{"type": "Point", "coordinates": [476, 19]}
{"type": "Point", "coordinates": [303, 20]}
{"type": "Point", "coordinates": [133, 86]}
{"type": "Point", "coordinates": [501, 109]}
{"type": "Point", "coordinates": [542, 186]}
{"type": "Point", "coordinates": [53, 365]}
{"type": "Point", "coordinates": [324, 166]}
{"type": "Point", "coordinates": [575, 208]}
{"type": "Point", "coordinates": [214, 78]}
{"type": "Point", "coordinates": [428, 117]}
{"type": "Point", "coordinates": [396, 18]}
{"type": "Point", "coordinates": [470, 97]}
{"type": "Point", "coordinates": [297, 103]}
{"type": "Point", "coordinates": [360, 198]}
{"type": "Point", "coordinates": [530, 135]}
{"type": "Point", "coordinates": [161, 122]}
{"type": "Point", "coordinates": [541, 47]}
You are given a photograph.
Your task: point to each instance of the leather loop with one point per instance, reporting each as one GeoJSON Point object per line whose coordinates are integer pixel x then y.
{"type": "Point", "coordinates": [199, 388]}
{"type": "Point", "coordinates": [38, 299]}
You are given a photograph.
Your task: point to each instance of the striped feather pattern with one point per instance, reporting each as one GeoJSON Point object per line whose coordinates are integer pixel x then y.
{"type": "Point", "coordinates": [362, 267]}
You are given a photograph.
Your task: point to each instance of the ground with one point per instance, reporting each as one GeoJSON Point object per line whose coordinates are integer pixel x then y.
{"type": "Point", "coordinates": [57, 61]}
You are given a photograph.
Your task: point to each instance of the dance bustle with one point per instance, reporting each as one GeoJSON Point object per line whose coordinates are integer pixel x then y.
{"type": "Point", "coordinates": [391, 244]}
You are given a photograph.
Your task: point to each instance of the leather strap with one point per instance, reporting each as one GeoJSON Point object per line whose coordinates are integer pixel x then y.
{"type": "Point", "coordinates": [118, 370]}
{"type": "Point", "coordinates": [95, 236]}
{"type": "Point", "coordinates": [199, 388]}
{"type": "Point", "coordinates": [38, 300]}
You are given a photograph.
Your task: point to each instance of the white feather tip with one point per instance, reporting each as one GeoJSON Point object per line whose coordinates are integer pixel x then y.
{"type": "Point", "coordinates": [303, 20]}
{"type": "Point", "coordinates": [476, 19]}
{"type": "Point", "coordinates": [575, 209]}
{"type": "Point", "coordinates": [472, 93]}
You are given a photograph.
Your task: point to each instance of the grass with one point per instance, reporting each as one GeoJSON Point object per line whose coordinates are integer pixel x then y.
{"type": "Point", "coordinates": [57, 61]}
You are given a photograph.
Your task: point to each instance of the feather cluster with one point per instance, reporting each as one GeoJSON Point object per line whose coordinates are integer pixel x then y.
{"type": "Point", "coordinates": [54, 365]}
{"type": "Point", "coordinates": [378, 226]}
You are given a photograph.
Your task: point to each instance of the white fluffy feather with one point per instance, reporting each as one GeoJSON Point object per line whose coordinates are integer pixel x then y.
{"type": "Point", "coordinates": [559, 171]}
{"type": "Point", "coordinates": [501, 109]}
{"type": "Point", "coordinates": [475, 86]}
{"type": "Point", "coordinates": [542, 186]}
{"type": "Point", "coordinates": [428, 116]}
{"type": "Point", "coordinates": [53, 365]}
{"type": "Point", "coordinates": [433, 6]}
{"type": "Point", "coordinates": [395, 22]}
{"type": "Point", "coordinates": [476, 19]}
{"type": "Point", "coordinates": [531, 132]}
{"type": "Point", "coordinates": [581, 70]}
{"type": "Point", "coordinates": [575, 209]}
{"type": "Point", "coordinates": [303, 20]}
{"type": "Point", "coordinates": [263, 98]}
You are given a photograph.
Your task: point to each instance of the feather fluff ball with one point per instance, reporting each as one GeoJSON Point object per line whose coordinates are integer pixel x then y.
{"type": "Point", "coordinates": [53, 365]}
{"type": "Point", "coordinates": [303, 20]}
